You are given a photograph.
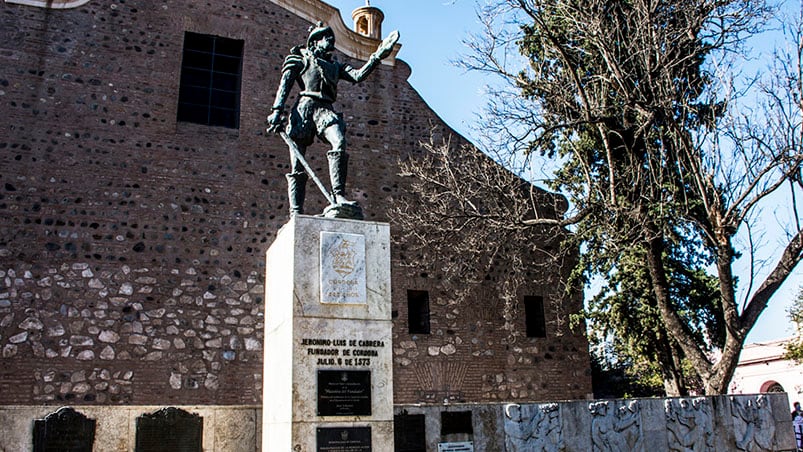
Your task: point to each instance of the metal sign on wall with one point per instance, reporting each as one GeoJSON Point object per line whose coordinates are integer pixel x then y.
{"type": "Point", "coordinates": [344, 393]}
{"type": "Point", "coordinates": [343, 439]}
{"type": "Point", "coordinates": [463, 446]}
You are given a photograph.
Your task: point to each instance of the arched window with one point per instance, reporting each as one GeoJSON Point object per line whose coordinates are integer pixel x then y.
{"type": "Point", "coordinates": [362, 25]}
{"type": "Point", "coordinates": [772, 386]}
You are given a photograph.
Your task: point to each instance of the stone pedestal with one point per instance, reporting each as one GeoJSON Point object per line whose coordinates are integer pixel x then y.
{"type": "Point", "coordinates": [328, 383]}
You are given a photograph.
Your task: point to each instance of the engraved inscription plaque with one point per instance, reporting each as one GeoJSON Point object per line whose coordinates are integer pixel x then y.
{"type": "Point", "coordinates": [344, 393]}
{"type": "Point", "coordinates": [169, 429]}
{"type": "Point", "coordinates": [342, 268]}
{"type": "Point", "coordinates": [343, 439]}
{"type": "Point", "coordinates": [65, 430]}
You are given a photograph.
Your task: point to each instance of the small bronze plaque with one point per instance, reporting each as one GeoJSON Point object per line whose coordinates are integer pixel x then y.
{"type": "Point", "coordinates": [64, 430]}
{"type": "Point", "coordinates": [344, 393]}
{"type": "Point", "coordinates": [169, 430]}
{"type": "Point", "coordinates": [343, 439]}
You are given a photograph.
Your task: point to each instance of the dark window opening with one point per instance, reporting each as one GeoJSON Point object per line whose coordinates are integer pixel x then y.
{"type": "Point", "coordinates": [209, 92]}
{"type": "Point", "coordinates": [418, 311]}
{"type": "Point", "coordinates": [456, 426]}
{"type": "Point", "coordinates": [534, 316]}
{"type": "Point", "coordinates": [409, 433]}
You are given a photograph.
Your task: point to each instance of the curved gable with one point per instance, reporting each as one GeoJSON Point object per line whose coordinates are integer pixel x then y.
{"type": "Point", "coordinates": [54, 4]}
{"type": "Point", "coordinates": [348, 41]}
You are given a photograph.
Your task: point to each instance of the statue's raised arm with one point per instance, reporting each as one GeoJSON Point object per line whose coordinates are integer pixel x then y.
{"type": "Point", "coordinates": [385, 48]}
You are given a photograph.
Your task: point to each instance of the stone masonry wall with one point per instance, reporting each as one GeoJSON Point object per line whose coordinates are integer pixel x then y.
{"type": "Point", "coordinates": [225, 428]}
{"type": "Point", "coordinates": [132, 245]}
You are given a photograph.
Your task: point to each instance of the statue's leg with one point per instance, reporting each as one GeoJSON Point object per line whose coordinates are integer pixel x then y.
{"type": "Point", "coordinates": [338, 170]}
{"type": "Point", "coordinates": [338, 161]}
{"type": "Point", "coordinates": [296, 190]}
{"type": "Point", "coordinates": [296, 184]}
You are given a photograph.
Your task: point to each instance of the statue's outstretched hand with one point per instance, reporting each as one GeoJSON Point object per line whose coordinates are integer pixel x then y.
{"type": "Point", "coordinates": [275, 121]}
{"type": "Point", "coordinates": [386, 47]}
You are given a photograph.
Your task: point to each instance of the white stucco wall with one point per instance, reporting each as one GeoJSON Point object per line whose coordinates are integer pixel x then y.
{"type": "Point", "coordinates": [761, 365]}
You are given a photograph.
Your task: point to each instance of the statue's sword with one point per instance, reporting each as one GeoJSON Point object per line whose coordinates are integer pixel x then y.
{"type": "Point", "coordinates": [306, 166]}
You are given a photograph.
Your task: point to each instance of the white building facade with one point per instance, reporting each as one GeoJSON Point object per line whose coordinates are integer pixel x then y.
{"type": "Point", "coordinates": [763, 368]}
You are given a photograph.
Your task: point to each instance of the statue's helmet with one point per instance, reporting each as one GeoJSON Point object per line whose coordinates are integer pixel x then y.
{"type": "Point", "coordinates": [319, 31]}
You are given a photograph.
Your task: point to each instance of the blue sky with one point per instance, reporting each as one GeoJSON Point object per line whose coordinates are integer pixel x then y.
{"type": "Point", "coordinates": [432, 34]}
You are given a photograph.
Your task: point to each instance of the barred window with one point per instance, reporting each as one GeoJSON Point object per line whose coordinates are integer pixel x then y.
{"type": "Point", "coordinates": [211, 68]}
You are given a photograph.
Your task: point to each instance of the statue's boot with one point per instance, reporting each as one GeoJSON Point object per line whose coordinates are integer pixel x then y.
{"type": "Point", "coordinates": [338, 169]}
{"type": "Point", "coordinates": [296, 190]}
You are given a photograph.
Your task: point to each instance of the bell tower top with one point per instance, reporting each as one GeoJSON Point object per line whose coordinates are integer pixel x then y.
{"type": "Point", "coordinates": [368, 20]}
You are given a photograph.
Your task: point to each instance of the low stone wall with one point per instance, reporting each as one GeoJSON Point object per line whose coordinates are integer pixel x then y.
{"type": "Point", "coordinates": [733, 423]}
{"type": "Point", "coordinates": [751, 423]}
{"type": "Point", "coordinates": [225, 428]}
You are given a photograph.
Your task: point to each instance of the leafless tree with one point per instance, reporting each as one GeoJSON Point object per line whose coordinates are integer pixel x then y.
{"type": "Point", "coordinates": [660, 164]}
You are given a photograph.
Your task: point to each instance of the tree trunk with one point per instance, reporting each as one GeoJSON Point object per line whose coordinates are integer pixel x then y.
{"type": "Point", "coordinates": [717, 383]}
{"type": "Point", "coordinates": [675, 327]}
{"type": "Point", "coordinates": [671, 373]}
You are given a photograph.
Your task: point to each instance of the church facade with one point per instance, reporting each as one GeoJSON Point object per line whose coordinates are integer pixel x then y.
{"type": "Point", "coordinates": [139, 192]}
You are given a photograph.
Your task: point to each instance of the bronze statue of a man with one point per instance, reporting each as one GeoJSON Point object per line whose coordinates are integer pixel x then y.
{"type": "Point", "coordinates": [317, 73]}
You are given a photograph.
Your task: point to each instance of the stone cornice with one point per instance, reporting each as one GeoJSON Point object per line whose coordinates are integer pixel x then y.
{"type": "Point", "coordinates": [54, 4]}
{"type": "Point", "coordinates": [348, 41]}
